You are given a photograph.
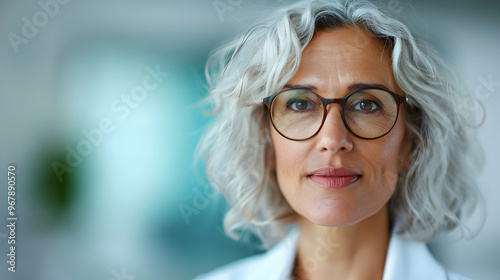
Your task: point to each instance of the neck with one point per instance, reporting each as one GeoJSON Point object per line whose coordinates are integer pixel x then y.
{"type": "Point", "coordinates": [339, 252]}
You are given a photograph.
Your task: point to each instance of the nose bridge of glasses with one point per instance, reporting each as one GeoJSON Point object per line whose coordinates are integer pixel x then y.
{"type": "Point", "coordinates": [333, 112]}
{"type": "Point", "coordinates": [329, 103]}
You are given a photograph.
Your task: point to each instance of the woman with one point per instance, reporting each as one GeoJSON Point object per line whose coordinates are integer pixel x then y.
{"type": "Point", "coordinates": [341, 144]}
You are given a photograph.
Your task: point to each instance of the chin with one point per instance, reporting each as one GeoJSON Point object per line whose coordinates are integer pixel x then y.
{"type": "Point", "coordinates": [328, 216]}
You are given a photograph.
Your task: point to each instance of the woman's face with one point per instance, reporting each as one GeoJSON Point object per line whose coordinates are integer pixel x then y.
{"type": "Point", "coordinates": [335, 178]}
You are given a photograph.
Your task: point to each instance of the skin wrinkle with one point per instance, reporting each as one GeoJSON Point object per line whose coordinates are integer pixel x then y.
{"type": "Point", "coordinates": [348, 212]}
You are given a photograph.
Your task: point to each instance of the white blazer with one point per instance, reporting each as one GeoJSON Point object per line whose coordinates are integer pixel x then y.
{"type": "Point", "coordinates": [405, 261]}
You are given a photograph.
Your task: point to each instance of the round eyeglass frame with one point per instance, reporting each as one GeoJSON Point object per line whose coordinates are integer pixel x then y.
{"type": "Point", "coordinates": [268, 101]}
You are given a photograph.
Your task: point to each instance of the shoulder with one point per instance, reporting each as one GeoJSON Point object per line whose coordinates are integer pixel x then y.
{"type": "Point", "coordinates": [413, 261]}
{"type": "Point", "coordinates": [274, 264]}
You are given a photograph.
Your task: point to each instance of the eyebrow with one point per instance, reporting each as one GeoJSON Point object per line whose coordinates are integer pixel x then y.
{"type": "Point", "coordinates": [352, 87]}
{"type": "Point", "coordinates": [294, 86]}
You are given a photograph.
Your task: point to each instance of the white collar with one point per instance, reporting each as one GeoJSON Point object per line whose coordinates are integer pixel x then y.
{"type": "Point", "coordinates": [405, 260]}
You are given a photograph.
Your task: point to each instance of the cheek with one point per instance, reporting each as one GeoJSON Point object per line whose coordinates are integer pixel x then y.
{"type": "Point", "coordinates": [289, 158]}
{"type": "Point", "coordinates": [284, 159]}
{"type": "Point", "coordinates": [384, 156]}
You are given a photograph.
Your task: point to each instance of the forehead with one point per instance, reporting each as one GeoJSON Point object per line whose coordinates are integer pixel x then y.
{"type": "Point", "coordinates": [347, 43]}
{"type": "Point", "coordinates": [336, 58]}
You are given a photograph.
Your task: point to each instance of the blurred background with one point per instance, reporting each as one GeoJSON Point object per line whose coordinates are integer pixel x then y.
{"type": "Point", "coordinates": [98, 114]}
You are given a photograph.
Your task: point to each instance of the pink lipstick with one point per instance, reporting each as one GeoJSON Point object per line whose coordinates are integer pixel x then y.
{"type": "Point", "coordinates": [334, 178]}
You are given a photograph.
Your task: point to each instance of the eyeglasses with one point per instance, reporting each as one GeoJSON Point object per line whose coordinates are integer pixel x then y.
{"type": "Point", "coordinates": [368, 113]}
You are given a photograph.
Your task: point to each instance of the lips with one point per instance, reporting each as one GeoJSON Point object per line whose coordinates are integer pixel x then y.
{"type": "Point", "coordinates": [334, 178]}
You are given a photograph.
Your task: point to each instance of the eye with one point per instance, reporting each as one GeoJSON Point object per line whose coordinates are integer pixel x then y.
{"type": "Point", "coordinates": [366, 106]}
{"type": "Point", "coordinates": [299, 105]}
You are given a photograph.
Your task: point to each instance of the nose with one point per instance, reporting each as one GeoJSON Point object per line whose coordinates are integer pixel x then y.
{"type": "Point", "coordinates": [334, 135]}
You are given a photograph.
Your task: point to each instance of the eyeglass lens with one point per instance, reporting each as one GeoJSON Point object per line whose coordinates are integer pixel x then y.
{"type": "Point", "coordinates": [369, 113]}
